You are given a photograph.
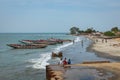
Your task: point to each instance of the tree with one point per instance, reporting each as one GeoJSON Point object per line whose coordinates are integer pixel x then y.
{"type": "Point", "coordinates": [109, 33]}
{"type": "Point", "coordinates": [115, 29]}
{"type": "Point", "coordinates": [74, 30]}
{"type": "Point", "coordinates": [90, 30]}
{"type": "Point", "coordinates": [81, 31]}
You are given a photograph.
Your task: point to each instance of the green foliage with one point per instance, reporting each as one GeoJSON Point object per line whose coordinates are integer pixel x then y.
{"type": "Point", "coordinates": [74, 30]}
{"type": "Point", "coordinates": [81, 31]}
{"type": "Point", "coordinates": [90, 30]}
{"type": "Point", "coordinates": [115, 29]}
{"type": "Point", "coordinates": [113, 32]}
{"type": "Point", "coordinates": [109, 33]}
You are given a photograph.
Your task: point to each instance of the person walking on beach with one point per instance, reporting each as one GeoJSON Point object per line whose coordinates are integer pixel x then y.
{"type": "Point", "coordinates": [73, 41]}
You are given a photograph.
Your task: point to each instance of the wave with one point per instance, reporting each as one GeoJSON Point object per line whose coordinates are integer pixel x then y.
{"type": "Point", "coordinates": [40, 63]}
{"type": "Point", "coordinates": [77, 39]}
{"type": "Point", "coordinates": [59, 48]}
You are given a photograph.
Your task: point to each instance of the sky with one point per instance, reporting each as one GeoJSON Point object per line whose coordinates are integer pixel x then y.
{"type": "Point", "coordinates": [37, 16]}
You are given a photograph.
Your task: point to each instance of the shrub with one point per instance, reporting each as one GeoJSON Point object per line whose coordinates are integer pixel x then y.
{"type": "Point", "coordinates": [109, 33]}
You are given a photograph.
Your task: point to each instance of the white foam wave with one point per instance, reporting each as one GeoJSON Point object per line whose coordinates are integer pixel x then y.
{"type": "Point", "coordinates": [41, 62]}
{"type": "Point", "coordinates": [58, 48]}
{"type": "Point", "coordinates": [77, 39]}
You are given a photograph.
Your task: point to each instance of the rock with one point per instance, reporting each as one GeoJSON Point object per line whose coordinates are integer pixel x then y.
{"type": "Point", "coordinates": [59, 54]}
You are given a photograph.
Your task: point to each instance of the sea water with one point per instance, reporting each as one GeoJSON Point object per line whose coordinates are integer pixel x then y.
{"type": "Point", "coordinates": [29, 64]}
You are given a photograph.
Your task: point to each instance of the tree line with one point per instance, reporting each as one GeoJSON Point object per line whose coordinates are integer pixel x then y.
{"type": "Point", "coordinates": [115, 31]}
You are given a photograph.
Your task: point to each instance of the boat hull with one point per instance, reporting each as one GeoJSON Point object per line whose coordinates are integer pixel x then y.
{"type": "Point", "coordinates": [32, 46]}
{"type": "Point", "coordinates": [38, 42]}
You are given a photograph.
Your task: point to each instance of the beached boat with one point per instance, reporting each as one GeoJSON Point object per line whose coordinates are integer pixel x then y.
{"type": "Point", "coordinates": [30, 46]}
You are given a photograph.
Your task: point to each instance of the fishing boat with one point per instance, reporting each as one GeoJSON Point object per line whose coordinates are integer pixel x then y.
{"type": "Point", "coordinates": [59, 41]}
{"type": "Point", "coordinates": [25, 46]}
{"type": "Point", "coordinates": [26, 41]}
{"type": "Point", "coordinates": [38, 42]}
{"type": "Point", "coordinates": [51, 41]}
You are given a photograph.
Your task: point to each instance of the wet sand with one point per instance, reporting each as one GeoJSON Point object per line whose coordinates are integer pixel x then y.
{"type": "Point", "coordinates": [112, 67]}
{"type": "Point", "coordinates": [87, 73]}
{"type": "Point", "coordinates": [105, 71]}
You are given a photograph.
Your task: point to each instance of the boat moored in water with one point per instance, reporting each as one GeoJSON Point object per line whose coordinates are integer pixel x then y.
{"type": "Point", "coordinates": [38, 42]}
{"type": "Point", "coordinates": [34, 44]}
{"type": "Point", "coordinates": [30, 46]}
{"type": "Point", "coordinates": [50, 41]}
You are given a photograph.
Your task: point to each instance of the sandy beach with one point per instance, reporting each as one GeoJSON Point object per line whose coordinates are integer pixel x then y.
{"type": "Point", "coordinates": [109, 48]}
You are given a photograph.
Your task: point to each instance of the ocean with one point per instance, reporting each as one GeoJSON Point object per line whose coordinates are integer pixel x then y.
{"type": "Point", "coordinates": [29, 64]}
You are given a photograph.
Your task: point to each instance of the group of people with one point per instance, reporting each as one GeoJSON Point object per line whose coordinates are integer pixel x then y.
{"type": "Point", "coordinates": [64, 62]}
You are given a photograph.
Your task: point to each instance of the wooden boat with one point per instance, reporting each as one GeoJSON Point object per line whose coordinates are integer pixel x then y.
{"type": "Point", "coordinates": [30, 46]}
{"type": "Point", "coordinates": [26, 41]}
{"type": "Point", "coordinates": [50, 41]}
{"type": "Point", "coordinates": [44, 42]}
{"type": "Point", "coordinates": [38, 42]}
{"type": "Point", "coordinates": [59, 40]}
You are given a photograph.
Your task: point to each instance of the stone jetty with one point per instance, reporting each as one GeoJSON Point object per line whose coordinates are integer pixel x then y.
{"type": "Point", "coordinates": [58, 72]}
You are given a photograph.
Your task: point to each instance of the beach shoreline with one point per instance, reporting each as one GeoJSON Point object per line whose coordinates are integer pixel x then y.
{"type": "Point", "coordinates": [105, 50]}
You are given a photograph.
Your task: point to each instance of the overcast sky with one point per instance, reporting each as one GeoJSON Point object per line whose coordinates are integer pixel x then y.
{"type": "Point", "coordinates": [58, 15]}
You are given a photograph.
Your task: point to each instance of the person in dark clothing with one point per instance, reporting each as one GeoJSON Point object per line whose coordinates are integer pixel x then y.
{"type": "Point", "coordinates": [69, 61]}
